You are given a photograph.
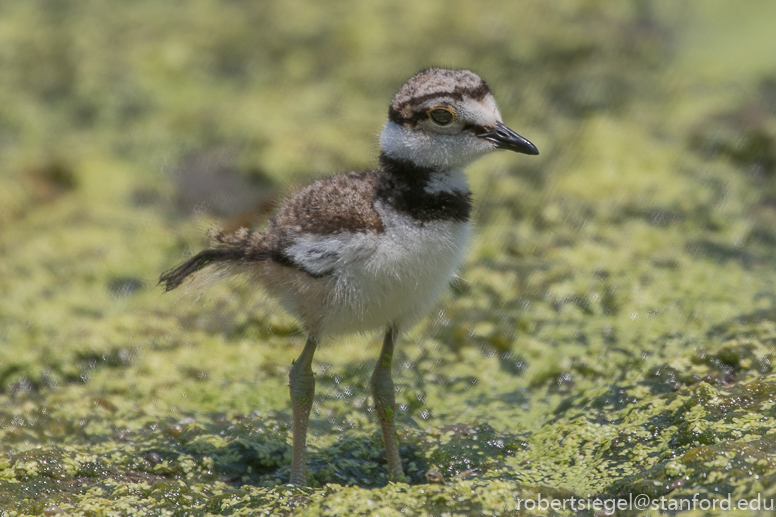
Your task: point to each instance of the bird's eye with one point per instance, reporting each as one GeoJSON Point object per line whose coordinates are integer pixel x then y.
{"type": "Point", "coordinates": [441, 116]}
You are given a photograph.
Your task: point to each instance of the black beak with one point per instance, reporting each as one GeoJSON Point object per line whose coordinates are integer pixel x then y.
{"type": "Point", "coordinates": [505, 138]}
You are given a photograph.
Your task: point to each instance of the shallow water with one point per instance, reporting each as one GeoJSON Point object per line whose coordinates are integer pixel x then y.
{"type": "Point", "coordinates": [612, 333]}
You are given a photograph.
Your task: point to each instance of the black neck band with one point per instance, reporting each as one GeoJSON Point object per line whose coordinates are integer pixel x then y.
{"type": "Point", "coordinates": [403, 186]}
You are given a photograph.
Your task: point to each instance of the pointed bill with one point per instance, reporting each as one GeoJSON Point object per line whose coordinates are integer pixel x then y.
{"type": "Point", "coordinates": [505, 138]}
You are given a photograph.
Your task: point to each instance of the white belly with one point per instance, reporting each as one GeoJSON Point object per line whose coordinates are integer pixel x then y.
{"type": "Point", "coordinates": [389, 278]}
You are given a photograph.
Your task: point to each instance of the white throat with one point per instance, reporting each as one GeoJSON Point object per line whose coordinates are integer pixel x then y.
{"type": "Point", "coordinates": [433, 151]}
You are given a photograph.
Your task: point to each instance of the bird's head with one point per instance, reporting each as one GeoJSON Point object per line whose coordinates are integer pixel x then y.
{"type": "Point", "coordinates": [446, 119]}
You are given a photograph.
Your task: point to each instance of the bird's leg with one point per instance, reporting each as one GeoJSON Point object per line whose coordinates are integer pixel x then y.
{"type": "Point", "coordinates": [302, 384]}
{"type": "Point", "coordinates": [385, 404]}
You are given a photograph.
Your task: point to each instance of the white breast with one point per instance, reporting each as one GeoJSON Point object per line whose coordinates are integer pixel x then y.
{"type": "Point", "coordinates": [389, 278]}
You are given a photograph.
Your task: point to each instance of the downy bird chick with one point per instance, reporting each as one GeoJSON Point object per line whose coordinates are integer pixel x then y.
{"type": "Point", "coordinates": [374, 249]}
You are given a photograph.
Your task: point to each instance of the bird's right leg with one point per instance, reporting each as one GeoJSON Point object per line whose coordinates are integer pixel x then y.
{"type": "Point", "coordinates": [385, 404]}
{"type": "Point", "coordinates": [302, 386]}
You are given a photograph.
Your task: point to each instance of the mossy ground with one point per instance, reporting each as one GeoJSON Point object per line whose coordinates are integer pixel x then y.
{"type": "Point", "coordinates": [613, 333]}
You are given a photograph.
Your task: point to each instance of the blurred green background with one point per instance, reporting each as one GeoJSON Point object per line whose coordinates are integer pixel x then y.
{"type": "Point", "coordinates": [613, 331]}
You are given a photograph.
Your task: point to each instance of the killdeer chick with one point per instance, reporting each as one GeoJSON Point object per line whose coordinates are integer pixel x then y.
{"type": "Point", "coordinates": [373, 249]}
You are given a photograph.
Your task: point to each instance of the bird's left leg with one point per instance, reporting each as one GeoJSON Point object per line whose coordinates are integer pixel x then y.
{"type": "Point", "coordinates": [385, 404]}
{"type": "Point", "coordinates": [302, 386]}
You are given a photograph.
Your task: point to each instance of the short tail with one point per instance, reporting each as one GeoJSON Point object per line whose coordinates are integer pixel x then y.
{"type": "Point", "coordinates": [243, 246]}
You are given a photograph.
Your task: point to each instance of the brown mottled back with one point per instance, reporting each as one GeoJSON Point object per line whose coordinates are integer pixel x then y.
{"type": "Point", "coordinates": [338, 204]}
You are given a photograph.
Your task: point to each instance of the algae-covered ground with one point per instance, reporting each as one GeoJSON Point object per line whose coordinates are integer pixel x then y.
{"type": "Point", "coordinates": [613, 332]}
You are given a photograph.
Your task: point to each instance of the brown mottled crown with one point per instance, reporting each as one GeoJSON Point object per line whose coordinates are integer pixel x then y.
{"type": "Point", "coordinates": [434, 82]}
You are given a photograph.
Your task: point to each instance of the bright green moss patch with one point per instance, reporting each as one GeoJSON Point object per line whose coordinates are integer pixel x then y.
{"type": "Point", "coordinates": [612, 334]}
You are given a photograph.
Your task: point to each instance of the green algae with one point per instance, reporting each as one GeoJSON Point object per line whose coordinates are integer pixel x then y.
{"type": "Point", "coordinates": [612, 333]}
